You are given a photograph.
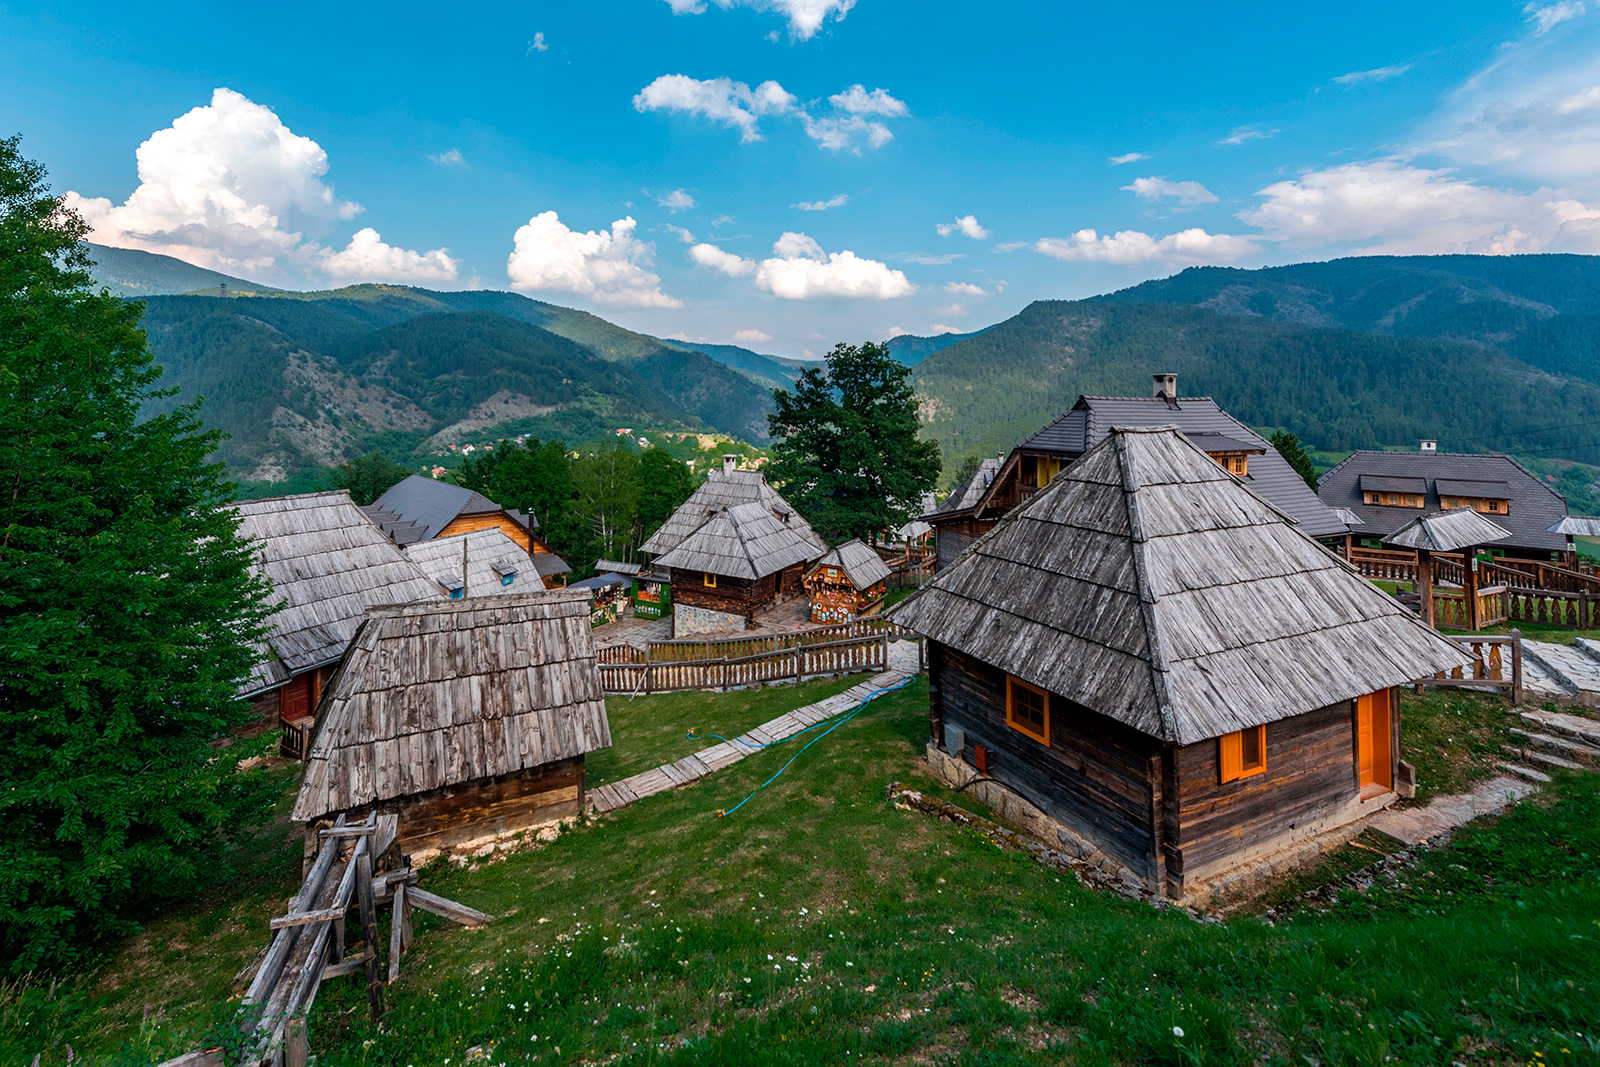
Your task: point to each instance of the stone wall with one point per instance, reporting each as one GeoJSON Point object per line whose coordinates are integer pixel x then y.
{"type": "Point", "coordinates": [688, 620]}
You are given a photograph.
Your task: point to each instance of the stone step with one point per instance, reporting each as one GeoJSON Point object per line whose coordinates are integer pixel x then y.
{"type": "Point", "coordinates": [1544, 759]}
{"type": "Point", "coordinates": [1574, 669]}
{"type": "Point", "coordinates": [1524, 772]}
{"type": "Point", "coordinates": [1538, 680]}
{"type": "Point", "coordinates": [1589, 647]}
{"type": "Point", "coordinates": [1562, 724]}
{"type": "Point", "coordinates": [1566, 748]}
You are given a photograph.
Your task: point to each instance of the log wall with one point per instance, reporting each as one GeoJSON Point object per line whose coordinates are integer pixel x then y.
{"type": "Point", "coordinates": [1095, 777]}
{"type": "Point", "coordinates": [735, 596]}
{"type": "Point", "coordinates": [952, 538]}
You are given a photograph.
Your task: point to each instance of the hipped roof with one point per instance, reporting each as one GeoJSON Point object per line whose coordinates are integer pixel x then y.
{"type": "Point", "coordinates": [723, 490]}
{"type": "Point", "coordinates": [864, 567]}
{"type": "Point", "coordinates": [327, 563]}
{"type": "Point", "coordinates": [431, 505]}
{"type": "Point", "coordinates": [439, 694]}
{"type": "Point", "coordinates": [1150, 585]}
{"type": "Point", "coordinates": [747, 541]}
{"type": "Point", "coordinates": [491, 555]}
{"type": "Point", "coordinates": [1447, 531]}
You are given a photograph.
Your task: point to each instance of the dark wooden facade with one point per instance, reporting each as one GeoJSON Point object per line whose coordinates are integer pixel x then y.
{"type": "Point", "coordinates": [1160, 809]}
{"type": "Point", "coordinates": [292, 702]}
{"type": "Point", "coordinates": [734, 596]}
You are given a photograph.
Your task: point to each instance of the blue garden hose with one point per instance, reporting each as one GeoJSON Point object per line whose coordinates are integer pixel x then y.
{"type": "Point", "coordinates": [838, 722]}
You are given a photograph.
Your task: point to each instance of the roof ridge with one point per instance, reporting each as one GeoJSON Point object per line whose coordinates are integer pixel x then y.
{"type": "Point", "coordinates": [1147, 599]}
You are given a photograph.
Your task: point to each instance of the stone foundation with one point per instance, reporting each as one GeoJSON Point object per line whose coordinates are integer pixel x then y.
{"type": "Point", "coordinates": [687, 621]}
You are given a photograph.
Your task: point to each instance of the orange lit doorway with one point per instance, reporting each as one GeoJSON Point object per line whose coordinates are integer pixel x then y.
{"type": "Point", "coordinates": [1373, 733]}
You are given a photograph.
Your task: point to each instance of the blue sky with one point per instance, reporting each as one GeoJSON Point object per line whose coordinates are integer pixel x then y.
{"type": "Point", "coordinates": [800, 172]}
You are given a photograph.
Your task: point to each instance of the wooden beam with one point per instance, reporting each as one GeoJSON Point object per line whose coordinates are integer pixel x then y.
{"type": "Point", "coordinates": [306, 918]}
{"type": "Point", "coordinates": [447, 909]}
{"type": "Point", "coordinates": [349, 831]}
{"type": "Point", "coordinates": [369, 933]}
{"type": "Point", "coordinates": [396, 928]}
{"type": "Point", "coordinates": [352, 965]}
{"type": "Point", "coordinates": [295, 1050]}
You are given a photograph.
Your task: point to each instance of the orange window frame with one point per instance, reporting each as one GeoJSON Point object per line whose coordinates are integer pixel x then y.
{"type": "Point", "coordinates": [709, 579]}
{"type": "Point", "coordinates": [1240, 756]}
{"type": "Point", "coordinates": [1022, 726]}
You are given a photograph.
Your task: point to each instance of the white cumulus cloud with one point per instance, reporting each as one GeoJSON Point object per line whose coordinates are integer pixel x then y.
{"type": "Point", "coordinates": [858, 101]}
{"type": "Point", "coordinates": [1545, 17]}
{"type": "Point", "coordinates": [607, 266]}
{"type": "Point", "coordinates": [805, 17]}
{"type": "Point", "coordinates": [1159, 188]}
{"type": "Point", "coordinates": [367, 259]}
{"type": "Point", "coordinates": [722, 100]}
{"type": "Point", "coordinates": [1128, 247]}
{"type": "Point", "coordinates": [800, 270]}
{"type": "Point", "coordinates": [1400, 209]}
{"type": "Point", "coordinates": [220, 188]}
{"type": "Point", "coordinates": [1377, 74]}
{"type": "Point", "coordinates": [823, 205]}
{"type": "Point", "coordinates": [964, 288]}
{"type": "Point", "coordinates": [966, 225]}
{"type": "Point", "coordinates": [717, 259]}
{"type": "Point", "coordinates": [677, 200]}
{"type": "Point", "coordinates": [682, 233]}
{"type": "Point", "coordinates": [537, 44]}
{"type": "Point", "coordinates": [751, 337]}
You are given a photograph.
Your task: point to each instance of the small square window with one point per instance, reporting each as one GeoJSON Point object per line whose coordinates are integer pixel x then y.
{"type": "Point", "coordinates": [1243, 753]}
{"type": "Point", "coordinates": [457, 594]}
{"type": "Point", "coordinates": [1028, 709]}
{"type": "Point", "coordinates": [507, 579]}
{"type": "Point", "coordinates": [710, 579]}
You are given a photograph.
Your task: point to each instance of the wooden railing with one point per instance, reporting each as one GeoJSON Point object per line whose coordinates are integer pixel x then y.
{"type": "Point", "coordinates": [1489, 668]}
{"type": "Point", "coordinates": [296, 737]}
{"type": "Point", "coordinates": [1385, 564]}
{"type": "Point", "coordinates": [867, 651]}
{"type": "Point", "coordinates": [1450, 607]}
{"type": "Point", "coordinates": [1531, 574]}
{"type": "Point", "coordinates": [1543, 607]}
{"type": "Point", "coordinates": [688, 650]}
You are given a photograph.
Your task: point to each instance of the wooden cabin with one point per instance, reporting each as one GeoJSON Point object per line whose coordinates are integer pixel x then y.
{"type": "Point", "coordinates": [1387, 490]}
{"type": "Point", "coordinates": [478, 563]}
{"type": "Point", "coordinates": [849, 581]}
{"type": "Point", "coordinates": [724, 489]}
{"type": "Point", "coordinates": [470, 720]}
{"type": "Point", "coordinates": [1159, 660]}
{"type": "Point", "coordinates": [328, 563]}
{"type": "Point", "coordinates": [740, 562]}
{"type": "Point", "coordinates": [421, 509]}
{"type": "Point", "coordinates": [969, 513]}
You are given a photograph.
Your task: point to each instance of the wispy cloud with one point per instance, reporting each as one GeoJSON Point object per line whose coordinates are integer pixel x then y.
{"type": "Point", "coordinates": [1546, 17]}
{"type": "Point", "coordinates": [855, 123]}
{"type": "Point", "coordinates": [1130, 157]}
{"type": "Point", "coordinates": [928, 260]}
{"type": "Point", "coordinates": [680, 232]}
{"type": "Point", "coordinates": [964, 288]}
{"type": "Point", "coordinates": [677, 200]}
{"type": "Point", "coordinates": [823, 205]}
{"type": "Point", "coordinates": [1376, 74]}
{"type": "Point", "coordinates": [537, 44]}
{"type": "Point", "coordinates": [452, 158]}
{"type": "Point", "coordinates": [1241, 134]}
{"type": "Point", "coordinates": [1187, 193]}
{"type": "Point", "coordinates": [751, 337]}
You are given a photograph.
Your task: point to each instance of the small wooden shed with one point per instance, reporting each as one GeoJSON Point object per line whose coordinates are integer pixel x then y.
{"type": "Point", "coordinates": [740, 561]}
{"type": "Point", "coordinates": [1159, 660]}
{"type": "Point", "coordinates": [850, 580]}
{"type": "Point", "coordinates": [469, 719]}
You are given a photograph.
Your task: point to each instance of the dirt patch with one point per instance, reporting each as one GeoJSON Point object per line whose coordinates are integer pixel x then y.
{"type": "Point", "coordinates": [504, 406]}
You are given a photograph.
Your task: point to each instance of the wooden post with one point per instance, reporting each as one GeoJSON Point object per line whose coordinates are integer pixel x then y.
{"type": "Point", "coordinates": [1425, 583]}
{"type": "Point", "coordinates": [369, 933]}
{"type": "Point", "coordinates": [396, 928]}
{"type": "Point", "coordinates": [799, 660]}
{"type": "Point", "coordinates": [295, 1046]}
{"type": "Point", "coordinates": [1158, 852]}
{"type": "Point", "coordinates": [1469, 584]}
{"type": "Point", "coordinates": [1516, 666]}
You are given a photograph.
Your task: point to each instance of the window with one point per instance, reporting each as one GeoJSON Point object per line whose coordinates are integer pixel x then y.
{"type": "Point", "coordinates": [710, 580]}
{"type": "Point", "coordinates": [1494, 505]}
{"type": "Point", "coordinates": [1028, 709]}
{"type": "Point", "coordinates": [1244, 752]}
{"type": "Point", "coordinates": [507, 579]}
{"type": "Point", "coordinates": [457, 594]}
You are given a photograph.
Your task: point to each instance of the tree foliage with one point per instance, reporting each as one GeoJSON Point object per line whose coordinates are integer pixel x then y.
{"type": "Point", "coordinates": [368, 477]}
{"type": "Point", "coordinates": [850, 458]}
{"type": "Point", "coordinates": [1294, 453]}
{"type": "Point", "coordinates": [127, 606]}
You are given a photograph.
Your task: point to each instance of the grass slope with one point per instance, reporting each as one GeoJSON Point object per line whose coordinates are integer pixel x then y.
{"type": "Point", "coordinates": [1337, 389]}
{"type": "Point", "coordinates": [820, 925]}
{"type": "Point", "coordinates": [130, 272]}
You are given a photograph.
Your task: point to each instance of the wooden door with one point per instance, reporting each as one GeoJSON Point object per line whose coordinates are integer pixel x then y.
{"type": "Point", "coordinates": [1372, 742]}
{"type": "Point", "coordinates": [296, 700]}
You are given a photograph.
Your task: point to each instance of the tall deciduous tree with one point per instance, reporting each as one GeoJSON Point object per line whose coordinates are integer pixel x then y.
{"type": "Point", "coordinates": [536, 478]}
{"type": "Point", "coordinates": [127, 605]}
{"type": "Point", "coordinates": [607, 485]}
{"type": "Point", "coordinates": [664, 484]}
{"type": "Point", "coordinates": [848, 454]}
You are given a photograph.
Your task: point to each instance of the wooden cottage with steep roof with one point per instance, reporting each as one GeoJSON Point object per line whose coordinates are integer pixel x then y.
{"type": "Point", "coordinates": [1163, 663]}
{"type": "Point", "coordinates": [740, 561]}
{"type": "Point", "coordinates": [328, 563]}
{"type": "Point", "coordinates": [421, 509]}
{"type": "Point", "coordinates": [849, 581]}
{"type": "Point", "coordinates": [469, 719]}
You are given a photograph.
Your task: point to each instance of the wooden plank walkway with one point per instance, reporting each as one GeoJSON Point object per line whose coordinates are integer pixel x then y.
{"type": "Point", "coordinates": [691, 768]}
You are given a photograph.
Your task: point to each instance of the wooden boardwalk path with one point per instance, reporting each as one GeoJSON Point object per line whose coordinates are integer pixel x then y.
{"type": "Point", "coordinates": [614, 795]}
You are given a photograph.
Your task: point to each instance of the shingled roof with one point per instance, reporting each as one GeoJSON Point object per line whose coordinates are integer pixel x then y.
{"type": "Point", "coordinates": [1535, 507]}
{"type": "Point", "coordinates": [430, 505]}
{"type": "Point", "coordinates": [1447, 532]}
{"type": "Point", "coordinates": [864, 567]}
{"type": "Point", "coordinates": [327, 563]}
{"type": "Point", "coordinates": [1093, 417]}
{"type": "Point", "coordinates": [1150, 585]}
{"type": "Point", "coordinates": [490, 557]}
{"type": "Point", "coordinates": [724, 489]}
{"type": "Point", "coordinates": [448, 692]}
{"type": "Point", "coordinates": [967, 495]}
{"type": "Point", "coordinates": [747, 541]}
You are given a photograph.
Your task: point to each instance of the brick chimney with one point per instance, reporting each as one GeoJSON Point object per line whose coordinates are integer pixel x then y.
{"type": "Point", "coordinates": [1166, 386]}
{"type": "Point", "coordinates": [730, 463]}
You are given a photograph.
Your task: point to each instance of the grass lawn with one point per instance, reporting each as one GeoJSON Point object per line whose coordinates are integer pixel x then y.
{"type": "Point", "coordinates": [818, 925]}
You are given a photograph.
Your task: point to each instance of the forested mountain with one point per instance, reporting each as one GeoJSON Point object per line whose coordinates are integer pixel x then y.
{"type": "Point", "coordinates": [911, 349]}
{"type": "Point", "coordinates": [129, 272]}
{"type": "Point", "coordinates": [1338, 389]}
{"type": "Point", "coordinates": [304, 380]}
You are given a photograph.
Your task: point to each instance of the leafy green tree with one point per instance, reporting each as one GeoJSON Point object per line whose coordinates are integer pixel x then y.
{"type": "Point", "coordinates": [537, 478]}
{"type": "Point", "coordinates": [849, 456]}
{"type": "Point", "coordinates": [478, 471]}
{"type": "Point", "coordinates": [965, 469]}
{"type": "Point", "coordinates": [664, 484]}
{"type": "Point", "coordinates": [368, 477]}
{"type": "Point", "coordinates": [127, 604]}
{"type": "Point", "coordinates": [607, 487]}
{"type": "Point", "coordinates": [1294, 453]}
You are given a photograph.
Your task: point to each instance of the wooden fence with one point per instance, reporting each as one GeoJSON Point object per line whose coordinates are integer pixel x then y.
{"type": "Point", "coordinates": [864, 652]}
{"type": "Point", "coordinates": [1450, 607]}
{"type": "Point", "coordinates": [1530, 574]}
{"type": "Point", "coordinates": [1401, 566]}
{"type": "Point", "coordinates": [1543, 607]}
{"type": "Point", "coordinates": [1489, 669]}
{"type": "Point", "coordinates": [689, 650]}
